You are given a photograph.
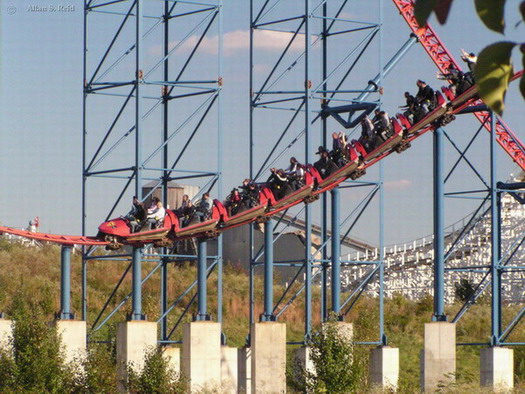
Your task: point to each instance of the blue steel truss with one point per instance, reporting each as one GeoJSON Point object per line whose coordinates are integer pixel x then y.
{"type": "Point", "coordinates": [146, 103]}
{"type": "Point", "coordinates": [489, 195]}
{"type": "Point", "coordinates": [307, 108]}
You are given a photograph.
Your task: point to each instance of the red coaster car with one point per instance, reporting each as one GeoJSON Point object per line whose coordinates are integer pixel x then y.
{"type": "Point", "coordinates": [243, 214]}
{"type": "Point", "coordinates": [206, 228]}
{"type": "Point", "coordinates": [118, 231]}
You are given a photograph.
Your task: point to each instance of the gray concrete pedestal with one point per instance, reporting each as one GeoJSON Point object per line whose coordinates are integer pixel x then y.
{"type": "Point", "coordinates": [497, 368]}
{"type": "Point", "coordinates": [384, 367]}
{"type": "Point", "coordinates": [73, 335]}
{"type": "Point", "coordinates": [438, 358]}
{"type": "Point", "coordinates": [134, 340]}
{"type": "Point", "coordinates": [201, 355]}
{"type": "Point", "coordinates": [6, 330]}
{"type": "Point", "coordinates": [229, 369]}
{"type": "Point", "coordinates": [172, 356]}
{"type": "Point", "coordinates": [244, 380]}
{"type": "Point", "coordinates": [268, 357]}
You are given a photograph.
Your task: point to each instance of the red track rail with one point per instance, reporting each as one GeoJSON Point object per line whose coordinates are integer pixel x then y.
{"type": "Point", "coordinates": [443, 58]}
{"type": "Point", "coordinates": [55, 238]}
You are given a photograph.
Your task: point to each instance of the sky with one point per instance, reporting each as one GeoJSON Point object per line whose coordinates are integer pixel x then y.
{"type": "Point", "coordinates": [41, 109]}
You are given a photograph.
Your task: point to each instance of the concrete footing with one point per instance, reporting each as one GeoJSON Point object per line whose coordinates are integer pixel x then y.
{"type": "Point", "coordinates": [384, 367]}
{"type": "Point", "coordinates": [302, 355]}
{"type": "Point", "coordinates": [73, 336]}
{"type": "Point", "coordinates": [134, 340]}
{"type": "Point", "coordinates": [438, 358]}
{"type": "Point", "coordinates": [201, 355]}
{"type": "Point", "coordinates": [6, 330]}
{"type": "Point", "coordinates": [497, 368]}
{"type": "Point", "coordinates": [303, 363]}
{"type": "Point", "coordinates": [172, 356]}
{"type": "Point", "coordinates": [229, 369]}
{"type": "Point", "coordinates": [268, 364]}
{"type": "Point", "coordinates": [244, 380]}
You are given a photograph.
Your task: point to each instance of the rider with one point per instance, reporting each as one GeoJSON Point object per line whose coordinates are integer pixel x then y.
{"type": "Point", "coordinates": [181, 211]}
{"type": "Point", "coordinates": [203, 209]}
{"type": "Point", "coordinates": [382, 124]}
{"type": "Point", "coordinates": [295, 173]}
{"type": "Point", "coordinates": [368, 136]}
{"type": "Point", "coordinates": [410, 107]}
{"type": "Point", "coordinates": [278, 183]}
{"type": "Point", "coordinates": [324, 164]}
{"type": "Point", "coordinates": [156, 213]}
{"type": "Point", "coordinates": [136, 215]}
{"type": "Point", "coordinates": [339, 152]}
{"type": "Point", "coordinates": [250, 193]}
{"type": "Point", "coordinates": [233, 202]}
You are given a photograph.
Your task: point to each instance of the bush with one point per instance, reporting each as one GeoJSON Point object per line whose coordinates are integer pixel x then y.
{"type": "Point", "coordinates": [156, 376]}
{"type": "Point", "coordinates": [99, 372]}
{"type": "Point", "coordinates": [464, 290]}
{"type": "Point", "coordinates": [33, 362]}
{"type": "Point", "coordinates": [337, 367]}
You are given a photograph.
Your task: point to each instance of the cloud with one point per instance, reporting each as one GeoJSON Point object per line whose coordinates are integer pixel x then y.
{"type": "Point", "coordinates": [398, 185]}
{"type": "Point", "coordinates": [236, 41]}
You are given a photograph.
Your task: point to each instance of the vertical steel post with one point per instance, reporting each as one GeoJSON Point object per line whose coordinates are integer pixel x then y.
{"type": "Point", "coordinates": [308, 157]}
{"type": "Point", "coordinates": [165, 186]}
{"type": "Point", "coordinates": [164, 299]}
{"type": "Point", "coordinates": [495, 240]}
{"type": "Point", "coordinates": [250, 148]}
{"type": "Point", "coordinates": [65, 283]}
{"type": "Point", "coordinates": [202, 266]}
{"type": "Point", "coordinates": [382, 336]}
{"type": "Point", "coordinates": [136, 266]}
{"type": "Point", "coordinates": [268, 272]}
{"type": "Point", "coordinates": [439, 226]}
{"type": "Point", "coordinates": [138, 99]}
{"type": "Point", "coordinates": [336, 253]}
{"type": "Point", "coordinates": [84, 287]}
{"type": "Point", "coordinates": [324, 202]}
{"type": "Point", "coordinates": [84, 178]}
{"type": "Point", "coordinates": [220, 149]}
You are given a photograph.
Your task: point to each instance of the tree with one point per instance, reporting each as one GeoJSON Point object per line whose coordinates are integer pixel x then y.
{"type": "Point", "coordinates": [337, 367]}
{"type": "Point", "coordinates": [494, 68]}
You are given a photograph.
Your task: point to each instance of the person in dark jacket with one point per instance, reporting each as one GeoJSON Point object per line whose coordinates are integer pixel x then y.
{"type": "Point", "coordinates": [425, 96]}
{"type": "Point", "coordinates": [278, 183]}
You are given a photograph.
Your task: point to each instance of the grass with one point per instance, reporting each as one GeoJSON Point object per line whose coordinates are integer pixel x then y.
{"type": "Point", "coordinates": [33, 274]}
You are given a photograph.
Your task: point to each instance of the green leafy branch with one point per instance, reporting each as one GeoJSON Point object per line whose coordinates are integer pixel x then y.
{"type": "Point", "coordinates": [493, 70]}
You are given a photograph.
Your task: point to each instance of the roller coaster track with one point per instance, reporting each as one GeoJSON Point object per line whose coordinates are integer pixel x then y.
{"type": "Point", "coordinates": [416, 130]}
{"type": "Point", "coordinates": [55, 238]}
{"type": "Point", "coordinates": [443, 59]}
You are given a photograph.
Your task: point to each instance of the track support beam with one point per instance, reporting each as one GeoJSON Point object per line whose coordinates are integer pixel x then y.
{"type": "Point", "coordinates": [336, 253]}
{"type": "Point", "coordinates": [202, 265]}
{"type": "Point", "coordinates": [268, 272]}
{"type": "Point", "coordinates": [136, 266]}
{"type": "Point", "coordinates": [439, 226]}
{"type": "Point", "coordinates": [495, 267]}
{"type": "Point", "coordinates": [65, 284]}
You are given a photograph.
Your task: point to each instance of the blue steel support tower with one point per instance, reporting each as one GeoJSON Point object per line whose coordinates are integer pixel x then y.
{"type": "Point", "coordinates": [133, 134]}
{"type": "Point", "coordinates": [303, 108]}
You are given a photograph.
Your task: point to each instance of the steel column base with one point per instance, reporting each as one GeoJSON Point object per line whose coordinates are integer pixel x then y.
{"type": "Point", "coordinates": [202, 317]}
{"type": "Point", "coordinates": [136, 316]}
{"type": "Point", "coordinates": [266, 318]}
{"type": "Point", "coordinates": [62, 316]}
